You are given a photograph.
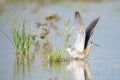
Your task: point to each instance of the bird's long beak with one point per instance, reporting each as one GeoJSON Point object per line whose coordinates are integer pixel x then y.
{"type": "Point", "coordinates": [96, 45]}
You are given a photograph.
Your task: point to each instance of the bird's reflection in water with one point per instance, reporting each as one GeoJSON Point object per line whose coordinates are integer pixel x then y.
{"type": "Point", "coordinates": [80, 69]}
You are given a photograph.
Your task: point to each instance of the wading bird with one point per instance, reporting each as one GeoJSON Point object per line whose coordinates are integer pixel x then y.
{"type": "Point", "coordinates": [81, 46]}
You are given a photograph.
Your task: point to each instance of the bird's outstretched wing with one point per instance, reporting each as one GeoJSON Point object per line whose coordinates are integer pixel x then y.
{"type": "Point", "coordinates": [89, 31]}
{"type": "Point", "coordinates": [79, 32]}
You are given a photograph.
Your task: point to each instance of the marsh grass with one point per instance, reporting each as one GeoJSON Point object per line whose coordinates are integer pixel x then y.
{"type": "Point", "coordinates": [21, 40]}
{"type": "Point", "coordinates": [67, 31]}
{"type": "Point", "coordinates": [56, 55]}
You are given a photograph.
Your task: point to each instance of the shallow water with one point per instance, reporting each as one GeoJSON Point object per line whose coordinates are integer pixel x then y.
{"type": "Point", "coordinates": [103, 62]}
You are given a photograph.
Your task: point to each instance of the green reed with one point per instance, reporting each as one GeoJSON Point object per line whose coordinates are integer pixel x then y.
{"type": "Point", "coordinates": [56, 55]}
{"type": "Point", "coordinates": [67, 31]}
{"type": "Point", "coordinates": [21, 40]}
{"type": "Point", "coordinates": [19, 37]}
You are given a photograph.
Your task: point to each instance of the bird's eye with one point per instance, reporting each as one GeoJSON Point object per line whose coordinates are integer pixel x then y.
{"type": "Point", "coordinates": [91, 43]}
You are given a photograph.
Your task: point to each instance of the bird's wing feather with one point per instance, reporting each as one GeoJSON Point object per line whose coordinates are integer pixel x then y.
{"type": "Point", "coordinates": [79, 32]}
{"type": "Point", "coordinates": [89, 30]}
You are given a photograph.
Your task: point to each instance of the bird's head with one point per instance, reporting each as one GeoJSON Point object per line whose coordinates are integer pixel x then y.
{"type": "Point", "coordinates": [92, 43]}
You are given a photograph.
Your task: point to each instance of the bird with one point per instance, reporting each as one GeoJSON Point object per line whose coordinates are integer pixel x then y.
{"type": "Point", "coordinates": [81, 46]}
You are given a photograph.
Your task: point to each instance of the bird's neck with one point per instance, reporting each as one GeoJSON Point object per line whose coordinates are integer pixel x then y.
{"type": "Point", "coordinates": [87, 48]}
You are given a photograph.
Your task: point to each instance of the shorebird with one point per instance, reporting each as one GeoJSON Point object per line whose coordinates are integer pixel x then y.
{"type": "Point", "coordinates": [81, 46]}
